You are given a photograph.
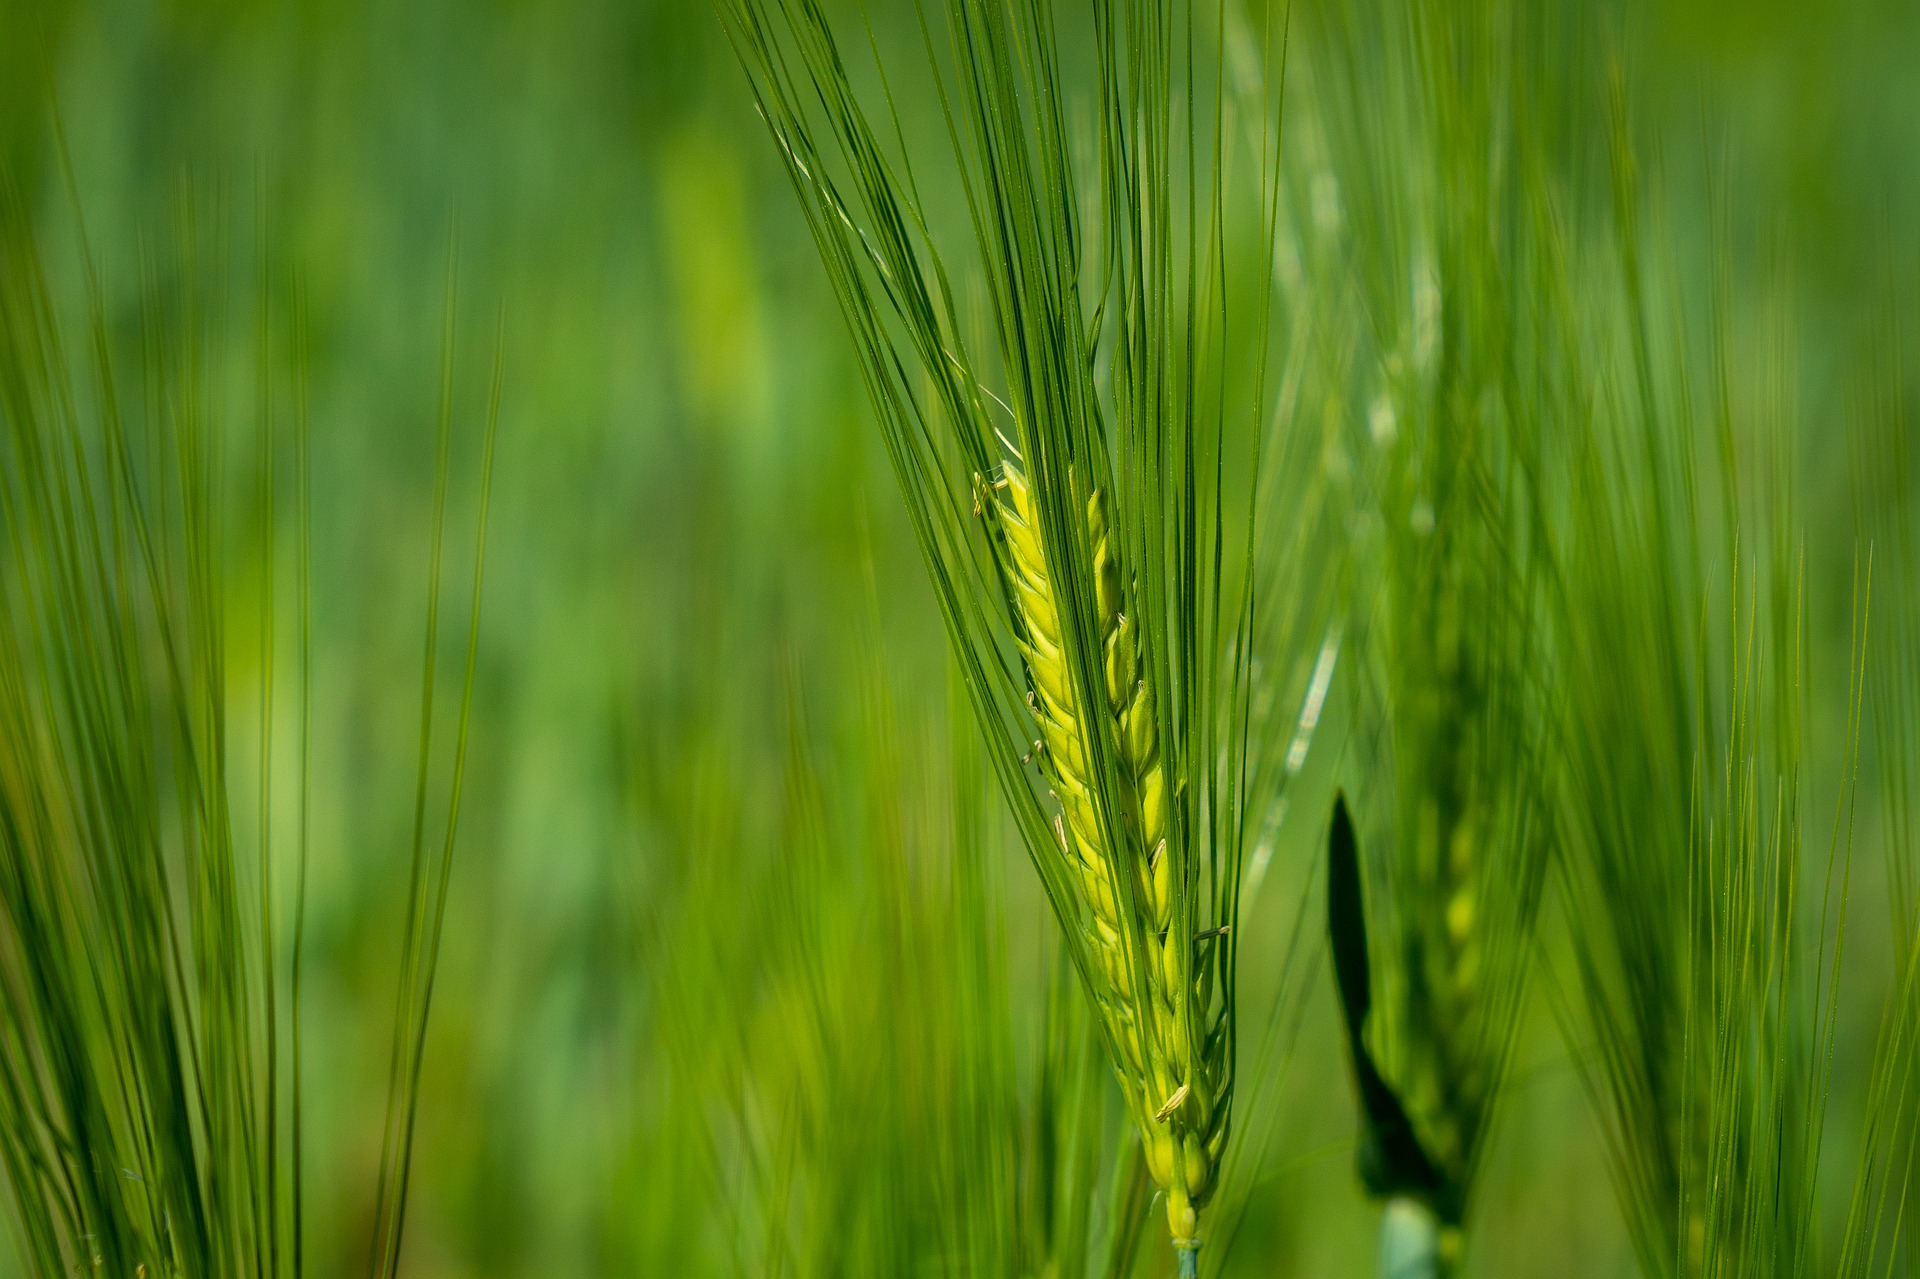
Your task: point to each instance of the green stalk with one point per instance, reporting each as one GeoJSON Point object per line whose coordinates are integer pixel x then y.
{"type": "Point", "coordinates": [1414, 1244]}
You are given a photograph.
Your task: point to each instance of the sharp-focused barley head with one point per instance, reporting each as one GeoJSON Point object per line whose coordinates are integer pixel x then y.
{"type": "Point", "coordinates": [1122, 869]}
{"type": "Point", "coordinates": [1096, 593]}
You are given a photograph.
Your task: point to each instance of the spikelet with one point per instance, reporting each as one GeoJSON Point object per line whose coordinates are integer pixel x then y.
{"type": "Point", "coordinates": [1172, 1085]}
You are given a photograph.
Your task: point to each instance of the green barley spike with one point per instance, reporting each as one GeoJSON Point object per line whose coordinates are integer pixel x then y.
{"type": "Point", "coordinates": [1172, 1091]}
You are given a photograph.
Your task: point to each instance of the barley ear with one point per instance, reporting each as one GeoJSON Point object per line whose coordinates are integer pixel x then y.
{"type": "Point", "coordinates": [1125, 882]}
{"type": "Point", "coordinates": [1099, 557]}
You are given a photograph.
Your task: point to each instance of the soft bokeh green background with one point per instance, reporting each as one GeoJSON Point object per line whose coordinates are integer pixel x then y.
{"type": "Point", "coordinates": [697, 545]}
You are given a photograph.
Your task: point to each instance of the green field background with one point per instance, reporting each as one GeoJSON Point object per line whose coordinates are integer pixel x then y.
{"type": "Point", "coordinates": [712, 760]}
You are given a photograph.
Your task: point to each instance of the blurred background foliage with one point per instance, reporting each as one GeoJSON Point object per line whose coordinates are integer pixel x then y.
{"type": "Point", "coordinates": [710, 894]}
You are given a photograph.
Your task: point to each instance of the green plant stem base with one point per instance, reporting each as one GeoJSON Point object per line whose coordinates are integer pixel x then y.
{"type": "Point", "coordinates": [1409, 1241]}
{"type": "Point", "coordinates": [1189, 1262]}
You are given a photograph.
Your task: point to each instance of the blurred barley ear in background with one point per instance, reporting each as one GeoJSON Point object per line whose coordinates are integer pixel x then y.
{"type": "Point", "coordinates": [1429, 299]}
{"type": "Point", "coordinates": [153, 1115]}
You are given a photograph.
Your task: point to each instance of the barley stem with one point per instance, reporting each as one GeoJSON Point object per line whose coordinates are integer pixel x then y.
{"type": "Point", "coordinates": [1414, 1244]}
